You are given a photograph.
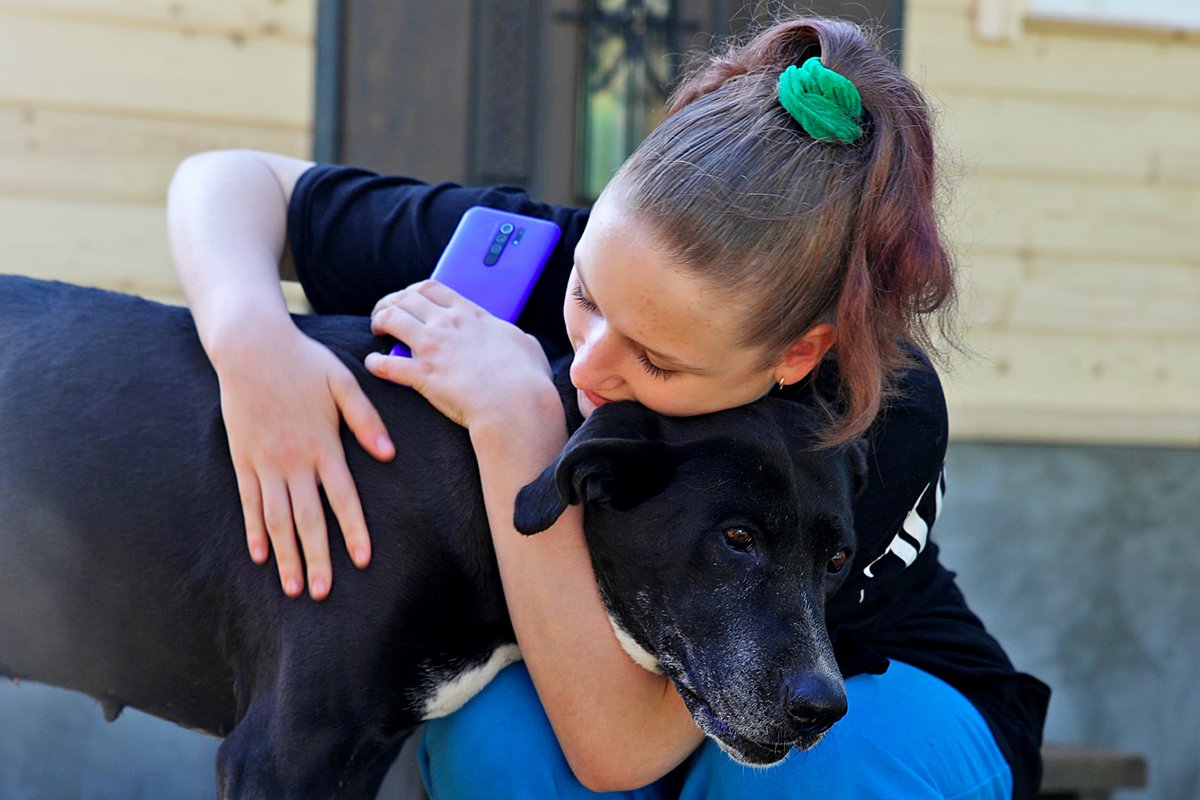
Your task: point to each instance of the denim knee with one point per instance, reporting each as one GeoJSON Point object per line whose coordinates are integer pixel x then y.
{"type": "Point", "coordinates": [500, 745]}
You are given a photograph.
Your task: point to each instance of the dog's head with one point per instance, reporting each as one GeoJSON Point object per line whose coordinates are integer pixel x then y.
{"type": "Point", "coordinates": [716, 541]}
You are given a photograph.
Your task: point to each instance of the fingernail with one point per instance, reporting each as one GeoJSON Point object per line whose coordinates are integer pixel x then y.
{"type": "Point", "coordinates": [258, 553]}
{"type": "Point", "coordinates": [319, 587]}
{"type": "Point", "coordinates": [383, 443]}
{"type": "Point", "coordinates": [292, 586]}
{"type": "Point", "coordinates": [361, 557]}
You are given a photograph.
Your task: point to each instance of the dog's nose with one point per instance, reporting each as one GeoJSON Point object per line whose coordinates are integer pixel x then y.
{"type": "Point", "coordinates": [814, 703]}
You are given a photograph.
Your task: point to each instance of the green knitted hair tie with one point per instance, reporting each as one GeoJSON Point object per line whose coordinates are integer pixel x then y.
{"type": "Point", "coordinates": [827, 105]}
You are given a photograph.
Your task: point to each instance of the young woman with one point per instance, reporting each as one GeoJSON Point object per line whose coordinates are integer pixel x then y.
{"type": "Point", "coordinates": [775, 234]}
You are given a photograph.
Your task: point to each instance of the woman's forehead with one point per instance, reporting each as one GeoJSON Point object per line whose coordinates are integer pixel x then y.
{"type": "Point", "coordinates": [647, 296]}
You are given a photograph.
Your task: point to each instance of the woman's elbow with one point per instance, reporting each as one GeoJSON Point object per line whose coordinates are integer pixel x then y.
{"type": "Point", "coordinates": [608, 772]}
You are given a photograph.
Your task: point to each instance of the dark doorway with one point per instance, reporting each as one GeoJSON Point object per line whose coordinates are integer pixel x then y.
{"type": "Point", "coordinates": [547, 94]}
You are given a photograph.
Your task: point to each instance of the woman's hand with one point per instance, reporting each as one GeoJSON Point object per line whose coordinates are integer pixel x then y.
{"type": "Point", "coordinates": [471, 366]}
{"type": "Point", "coordinates": [282, 397]}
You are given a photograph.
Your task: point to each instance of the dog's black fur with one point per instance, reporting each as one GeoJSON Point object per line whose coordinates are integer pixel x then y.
{"type": "Point", "coordinates": [123, 571]}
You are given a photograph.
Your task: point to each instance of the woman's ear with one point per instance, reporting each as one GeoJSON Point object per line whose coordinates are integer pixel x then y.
{"type": "Point", "coordinates": [805, 353]}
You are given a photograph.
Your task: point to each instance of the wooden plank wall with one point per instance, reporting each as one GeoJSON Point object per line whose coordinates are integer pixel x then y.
{"type": "Point", "coordinates": [101, 99]}
{"type": "Point", "coordinates": [1073, 172]}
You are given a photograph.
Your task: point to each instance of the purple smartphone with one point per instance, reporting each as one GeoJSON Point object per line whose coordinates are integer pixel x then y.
{"type": "Point", "coordinates": [493, 259]}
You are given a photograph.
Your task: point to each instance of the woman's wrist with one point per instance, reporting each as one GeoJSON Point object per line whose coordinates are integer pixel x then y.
{"type": "Point", "coordinates": [532, 414]}
{"type": "Point", "coordinates": [239, 330]}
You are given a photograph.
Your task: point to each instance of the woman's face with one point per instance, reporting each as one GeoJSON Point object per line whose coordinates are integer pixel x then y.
{"type": "Point", "coordinates": [644, 330]}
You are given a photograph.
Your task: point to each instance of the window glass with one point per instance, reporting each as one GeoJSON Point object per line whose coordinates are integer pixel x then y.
{"type": "Point", "coordinates": [629, 66]}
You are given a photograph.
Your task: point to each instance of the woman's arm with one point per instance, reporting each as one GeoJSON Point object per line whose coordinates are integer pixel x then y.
{"type": "Point", "coordinates": [619, 725]}
{"type": "Point", "coordinates": [282, 394]}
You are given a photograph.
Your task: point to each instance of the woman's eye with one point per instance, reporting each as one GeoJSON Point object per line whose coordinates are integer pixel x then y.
{"type": "Point", "coordinates": [838, 561]}
{"type": "Point", "coordinates": [654, 369]}
{"type": "Point", "coordinates": [587, 305]}
{"type": "Point", "coordinates": [739, 539]}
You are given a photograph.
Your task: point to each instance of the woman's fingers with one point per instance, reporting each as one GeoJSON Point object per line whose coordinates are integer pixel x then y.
{"type": "Point", "coordinates": [415, 301]}
{"type": "Point", "coordinates": [312, 533]}
{"type": "Point", "coordinates": [397, 369]}
{"type": "Point", "coordinates": [367, 426]}
{"type": "Point", "coordinates": [442, 295]}
{"type": "Point", "coordinates": [423, 316]}
{"type": "Point", "coordinates": [422, 297]}
{"type": "Point", "coordinates": [396, 322]}
{"type": "Point", "coordinates": [343, 499]}
{"type": "Point", "coordinates": [281, 403]}
{"type": "Point", "coordinates": [361, 418]}
{"type": "Point", "coordinates": [277, 514]}
{"type": "Point", "coordinates": [424, 302]}
{"type": "Point", "coordinates": [252, 513]}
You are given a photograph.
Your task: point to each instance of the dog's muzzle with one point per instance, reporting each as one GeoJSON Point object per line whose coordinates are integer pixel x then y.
{"type": "Point", "coordinates": [810, 707]}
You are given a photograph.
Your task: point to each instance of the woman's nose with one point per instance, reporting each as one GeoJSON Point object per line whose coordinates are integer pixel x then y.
{"type": "Point", "coordinates": [597, 359]}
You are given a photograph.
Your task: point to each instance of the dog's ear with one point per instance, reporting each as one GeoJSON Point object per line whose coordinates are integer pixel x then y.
{"type": "Point", "coordinates": [614, 471]}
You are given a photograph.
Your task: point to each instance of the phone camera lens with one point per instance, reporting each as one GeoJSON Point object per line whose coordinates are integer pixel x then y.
{"type": "Point", "coordinates": [506, 228]}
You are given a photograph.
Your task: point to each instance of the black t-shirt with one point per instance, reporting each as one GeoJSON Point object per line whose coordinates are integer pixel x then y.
{"type": "Point", "coordinates": [356, 236]}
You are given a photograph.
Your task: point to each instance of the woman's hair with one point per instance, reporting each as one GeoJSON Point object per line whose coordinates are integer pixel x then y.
{"type": "Point", "coordinates": [806, 231]}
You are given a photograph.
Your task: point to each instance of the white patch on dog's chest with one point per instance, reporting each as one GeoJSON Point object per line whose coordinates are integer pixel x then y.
{"type": "Point", "coordinates": [452, 691]}
{"type": "Point", "coordinates": [642, 657]}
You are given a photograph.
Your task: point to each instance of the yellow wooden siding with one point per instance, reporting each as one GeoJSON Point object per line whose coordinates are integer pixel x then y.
{"type": "Point", "coordinates": [283, 19]}
{"type": "Point", "coordinates": [1073, 169]}
{"type": "Point", "coordinates": [101, 99]}
{"type": "Point", "coordinates": [46, 152]}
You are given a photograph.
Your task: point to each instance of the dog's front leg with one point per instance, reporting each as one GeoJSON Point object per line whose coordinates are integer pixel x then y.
{"type": "Point", "coordinates": [282, 753]}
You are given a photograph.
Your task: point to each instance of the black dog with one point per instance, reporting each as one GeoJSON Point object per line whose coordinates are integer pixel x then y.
{"type": "Point", "coordinates": [123, 571]}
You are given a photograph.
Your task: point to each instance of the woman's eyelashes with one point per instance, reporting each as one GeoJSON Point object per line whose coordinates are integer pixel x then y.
{"type": "Point", "coordinates": [592, 308]}
{"type": "Point", "coordinates": [584, 303]}
{"type": "Point", "coordinates": [654, 369]}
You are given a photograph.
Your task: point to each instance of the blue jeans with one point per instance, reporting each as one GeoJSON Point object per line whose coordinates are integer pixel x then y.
{"type": "Point", "coordinates": [907, 735]}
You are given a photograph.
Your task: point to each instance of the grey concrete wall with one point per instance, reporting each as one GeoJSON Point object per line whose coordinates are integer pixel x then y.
{"type": "Point", "coordinates": [1085, 563]}
{"type": "Point", "coordinates": [56, 745]}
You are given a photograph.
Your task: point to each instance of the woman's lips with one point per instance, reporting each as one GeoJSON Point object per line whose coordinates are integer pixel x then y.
{"type": "Point", "coordinates": [594, 398]}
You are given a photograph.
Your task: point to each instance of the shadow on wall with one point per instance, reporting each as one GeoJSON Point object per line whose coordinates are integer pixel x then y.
{"type": "Point", "coordinates": [1082, 561]}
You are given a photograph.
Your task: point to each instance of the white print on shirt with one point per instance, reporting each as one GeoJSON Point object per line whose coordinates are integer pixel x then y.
{"type": "Point", "coordinates": [914, 533]}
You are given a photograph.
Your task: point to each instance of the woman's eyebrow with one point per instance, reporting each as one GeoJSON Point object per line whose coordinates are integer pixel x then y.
{"type": "Point", "coordinates": [667, 360]}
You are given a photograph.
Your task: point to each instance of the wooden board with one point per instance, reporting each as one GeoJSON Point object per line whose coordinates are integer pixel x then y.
{"type": "Point", "coordinates": [1070, 138]}
{"type": "Point", "coordinates": [82, 155]}
{"type": "Point", "coordinates": [294, 19]}
{"type": "Point", "coordinates": [116, 245]}
{"type": "Point", "coordinates": [973, 423]}
{"type": "Point", "coordinates": [1020, 369]}
{"type": "Point", "coordinates": [995, 211]}
{"type": "Point", "coordinates": [940, 48]}
{"type": "Point", "coordinates": [81, 64]}
{"type": "Point", "coordinates": [1088, 297]}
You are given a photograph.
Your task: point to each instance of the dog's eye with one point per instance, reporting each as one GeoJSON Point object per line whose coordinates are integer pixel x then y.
{"type": "Point", "coordinates": [838, 561]}
{"type": "Point", "coordinates": [739, 539]}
